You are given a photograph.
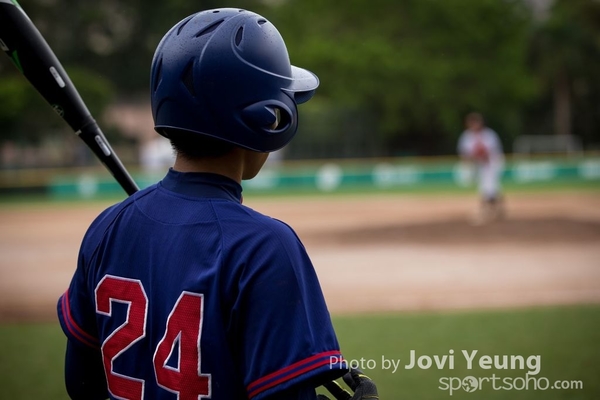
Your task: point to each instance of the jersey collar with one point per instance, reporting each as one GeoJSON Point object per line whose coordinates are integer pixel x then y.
{"type": "Point", "coordinates": [202, 185]}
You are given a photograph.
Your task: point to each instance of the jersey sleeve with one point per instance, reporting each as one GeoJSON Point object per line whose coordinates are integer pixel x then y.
{"type": "Point", "coordinates": [76, 312]}
{"type": "Point", "coordinates": [76, 309]}
{"type": "Point", "coordinates": [284, 335]}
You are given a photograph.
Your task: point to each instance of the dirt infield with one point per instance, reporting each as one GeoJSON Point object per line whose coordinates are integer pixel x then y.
{"type": "Point", "coordinates": [372, 253]}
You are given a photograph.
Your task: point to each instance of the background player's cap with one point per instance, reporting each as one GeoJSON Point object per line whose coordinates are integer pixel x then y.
{"type": "Point", "coordinates": [226, 74]}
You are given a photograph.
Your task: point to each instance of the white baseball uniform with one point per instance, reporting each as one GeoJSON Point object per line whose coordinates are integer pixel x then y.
{"type": "Point", "coordinates": [489, 171]}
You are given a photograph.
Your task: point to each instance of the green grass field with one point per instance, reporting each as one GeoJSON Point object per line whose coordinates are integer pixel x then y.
{"type": "Point", "coordinates": [567, 339]}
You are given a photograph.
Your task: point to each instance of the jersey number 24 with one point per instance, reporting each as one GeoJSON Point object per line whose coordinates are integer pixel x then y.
{"type": "Point", "coordinates": [182, 334]}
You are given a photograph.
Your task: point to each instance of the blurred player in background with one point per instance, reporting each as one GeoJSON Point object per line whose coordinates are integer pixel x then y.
{"type": "Point", "coordinates": [180, 291]}
{"type": "Point", "coordinates": [480, 146]}
{"type": "Point", "coordinates": [156, 156]}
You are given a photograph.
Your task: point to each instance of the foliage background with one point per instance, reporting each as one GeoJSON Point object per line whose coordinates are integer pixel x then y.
{"type": "Point", "coordinates": [397, 76]}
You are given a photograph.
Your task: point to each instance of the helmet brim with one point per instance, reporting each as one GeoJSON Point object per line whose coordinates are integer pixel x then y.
{"type": "Point", "coordinates": [303, 85]}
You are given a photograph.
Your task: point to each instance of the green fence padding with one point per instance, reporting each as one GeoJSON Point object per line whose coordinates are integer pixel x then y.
{"type": "Point", "coordinates": [376, 175]}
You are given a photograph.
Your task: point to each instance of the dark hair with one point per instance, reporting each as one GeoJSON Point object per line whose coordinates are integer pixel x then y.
{"type": "Point", "coordinates": [474, 117]}
{"type": "Point", "coordinates": [192, 145]}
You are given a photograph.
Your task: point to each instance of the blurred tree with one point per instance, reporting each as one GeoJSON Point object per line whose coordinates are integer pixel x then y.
{"type": "Point", "coordinates": [25, 117]}
{"type": "Point", "coordinates": [106, 47]}
{"type": "Point", "coordinates": [396, 76]}
{"type": "Point", "coordinates": [116, 38]}
{"type": "Point", "coordinates": [415, 67]}
{"type": "Point", "coordinates": [566, 56]}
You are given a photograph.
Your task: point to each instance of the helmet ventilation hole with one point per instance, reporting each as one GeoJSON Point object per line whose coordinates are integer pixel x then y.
{"type": "Point", "coordinates": [277, 122]}
{"type": "Point", "coordinates": [262, 21]}
{"type": "Point", "coordinates": [215, 11]}
{"type": "Point", "coordinates": [184, 23]}
{"type": "Point", "coordinates": [239, 35]}
{"type": "Point", "coordinates": [282, 120]}
{"type": "Point", "coordinates": [285, 120]}
{"type": "Point", "coordinates": [188, 78]}
{"type": "Point", "coordinates": [158, 74]}
{"type": "Point", "coordinates": [209, 28]}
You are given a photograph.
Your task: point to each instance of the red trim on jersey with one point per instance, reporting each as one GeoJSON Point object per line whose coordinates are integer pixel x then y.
{"type": "Point", "coordinates": [292, 371]}
{"type": "Point", "coordinates": [72, 326]}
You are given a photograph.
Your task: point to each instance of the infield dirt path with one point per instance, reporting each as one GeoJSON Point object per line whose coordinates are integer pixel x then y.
{"type": "Point", "coordinates": [372, 253]}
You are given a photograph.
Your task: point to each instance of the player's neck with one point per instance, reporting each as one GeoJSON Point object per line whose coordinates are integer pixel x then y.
{"type": "Point", "coordinates": [227, 166]}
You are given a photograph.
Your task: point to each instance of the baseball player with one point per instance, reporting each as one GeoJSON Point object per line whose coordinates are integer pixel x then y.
{"type": "Point", "coordinates": [180, 291]}
{"type": "Point", "coordinates": [481, 146]}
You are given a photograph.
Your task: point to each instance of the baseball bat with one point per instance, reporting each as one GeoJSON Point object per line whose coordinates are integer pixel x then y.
{"type": "Point", "coordinates": [26, 47]}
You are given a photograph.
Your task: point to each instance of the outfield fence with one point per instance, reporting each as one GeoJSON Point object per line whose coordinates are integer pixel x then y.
{"type": "Point", "coordinates": [323, 176]}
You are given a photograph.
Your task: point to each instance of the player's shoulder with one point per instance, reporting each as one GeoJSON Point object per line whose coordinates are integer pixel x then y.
{"type": "Point", "coordinates": [108, 216]}
{"type": "Point", "coordinates": [277, 228]}
{"type": "Point", "coordinates": [243, 221]}
{"type": "Point", "coordinates": [270, 225]}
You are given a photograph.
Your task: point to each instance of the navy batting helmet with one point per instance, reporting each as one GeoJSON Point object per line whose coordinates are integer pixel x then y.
{"type": "Point", "coordinates": [226, 74]}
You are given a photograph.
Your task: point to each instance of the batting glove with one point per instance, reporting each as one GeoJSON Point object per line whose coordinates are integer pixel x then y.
{"type": "Point", "coordinates": [362, 386]}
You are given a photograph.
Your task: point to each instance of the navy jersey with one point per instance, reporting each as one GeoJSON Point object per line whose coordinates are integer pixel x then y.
{"type": "Point", "coordinates": [190, 294]}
